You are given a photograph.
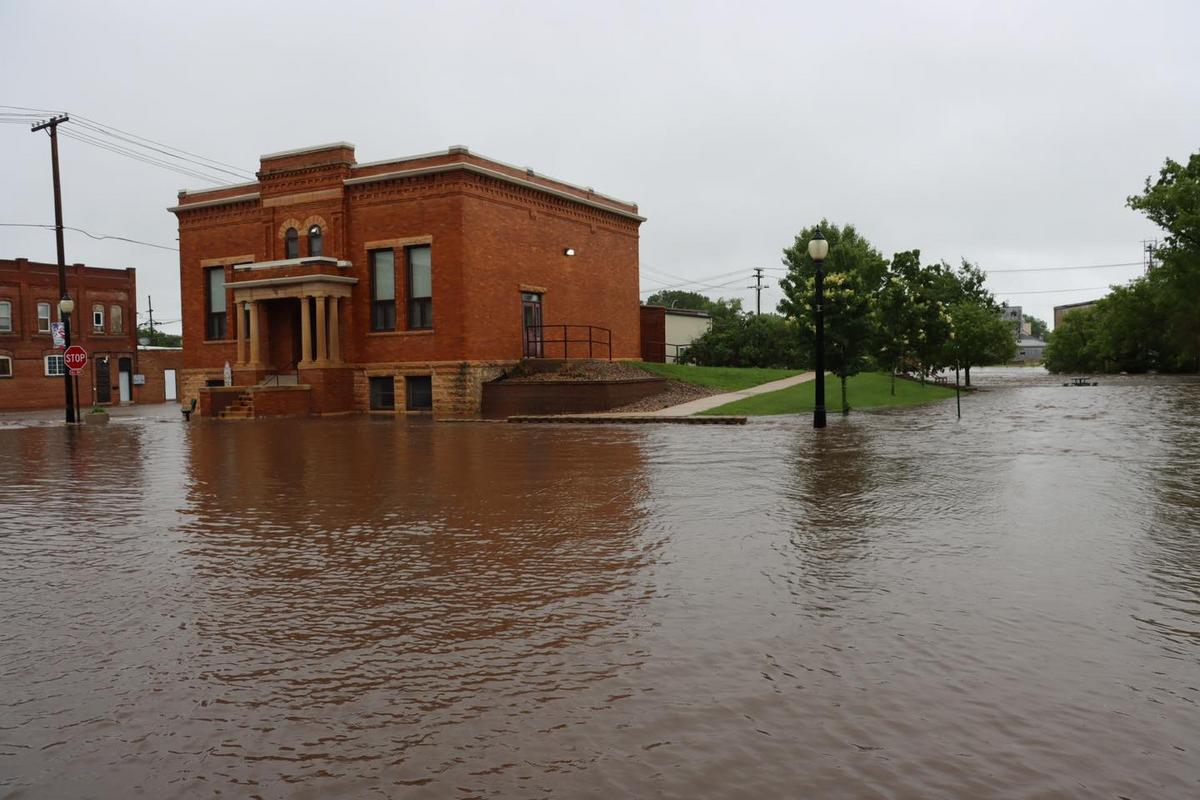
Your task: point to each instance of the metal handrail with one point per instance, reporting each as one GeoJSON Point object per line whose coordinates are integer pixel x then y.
{"type": "Point", "coordinates": [679, 348]}
{"type": "Point", "coordinates": [566, 341]}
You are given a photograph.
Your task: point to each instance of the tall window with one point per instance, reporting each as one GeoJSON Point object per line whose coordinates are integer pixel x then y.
{"type": "Point", "coordinates": [383, 290]}
{"type": "Point", "coordinates": [43, 317]}
{"type": "Point", "coordinates": [214, 303]}
{"type": "Point", "coordinates": [420, 288]}
{"type": "Point", "coordinates": [116, 323]}
{"type": "Point", "coordinates": [315, 246]}
{"type": "Point", "coordinates": [98, 318]}
{"type": "Point", "coordinates": [5, 316]}
{"type": "Point", "coordinates": [291, 244]}
{"type": "Point", "coordinates": [54, 366]}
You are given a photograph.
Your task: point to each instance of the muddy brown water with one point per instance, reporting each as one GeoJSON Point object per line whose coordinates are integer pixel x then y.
{"type": "Point", "coordinates": [903, 606]}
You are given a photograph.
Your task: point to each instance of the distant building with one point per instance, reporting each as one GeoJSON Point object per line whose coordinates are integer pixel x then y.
{"type": "Point", "coordinates": [667, 332]}
{"type": "Point", "coordinates": [104, 323]}
{"type": "Point", "coordinates": [1015, 316]}
{"type": "Point", "coordinates": [1029, 350]}
{"type": "Point", "coordinates": [398, 286]}
{"type": "Point", "coordinates": [1060, 312]}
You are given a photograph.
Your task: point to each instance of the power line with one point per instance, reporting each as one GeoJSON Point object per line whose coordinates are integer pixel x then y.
{"type": "Point", "coordinates": [89, 234]}
{"type": "Point", "coordinates": [206, 163]}
{"type": "Point", "coordinates": [123, 151]}
{"type": "Point", "coordinates": [1056, 291]}
{"type": "Point", "coordinates": [137, 147]}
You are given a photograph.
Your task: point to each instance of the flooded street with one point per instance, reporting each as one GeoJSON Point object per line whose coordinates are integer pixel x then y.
{"type": "Point", "coordinates": [902, 606]}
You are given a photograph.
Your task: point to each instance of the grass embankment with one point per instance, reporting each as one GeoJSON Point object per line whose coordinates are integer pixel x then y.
{"type": "Point", "coordinates": [727, 379]}
{"type": "Point", "coordinates": [866, 390]}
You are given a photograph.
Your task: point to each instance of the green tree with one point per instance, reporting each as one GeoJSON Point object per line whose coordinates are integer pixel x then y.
{"type": "Point", "coordinates": [978, 337]}
{"type": "Point", "coordinates": [1071, 346]}
{"type": "Point", "coordinates": [755, 340]}
{"type": "Point", "coordinates": [675, 298]}
{"type": "Point", "coordinates": [158, 338]}
{"type": "Point", "coordinates": [854, 273]}
{"type": "Point", "coordinates": [1038, 328]}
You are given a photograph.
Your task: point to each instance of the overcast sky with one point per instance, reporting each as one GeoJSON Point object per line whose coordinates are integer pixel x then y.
{"type": "Point", "coordinates": [1008, 133]}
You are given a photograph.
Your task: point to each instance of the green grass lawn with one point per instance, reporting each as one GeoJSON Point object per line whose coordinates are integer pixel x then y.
{"type": "Point", "coordinates": [728, 379]}
{"type": "Point", "coordinates": [866, 390]}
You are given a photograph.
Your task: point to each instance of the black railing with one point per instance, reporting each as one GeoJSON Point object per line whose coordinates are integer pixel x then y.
{"type": "Point", "coordinates": [540, 338]}
{"type": "Point", "coordinates": [663, 352]}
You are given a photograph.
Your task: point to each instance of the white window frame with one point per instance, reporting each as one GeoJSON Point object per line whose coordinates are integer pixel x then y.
{"type": "Point", "coordinates": [62, 367]}
{"type": "Point", "coordinates": [98, 318]}
{"type": "Point", "coordinates": [9, 372]}
{"type": "Point", "coordinates": [9, 315]}
{"type": "Point", "coordinates": [49, 316]}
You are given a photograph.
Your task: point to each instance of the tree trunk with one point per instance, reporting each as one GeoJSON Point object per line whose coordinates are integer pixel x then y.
{"type": "Point", "coordinates": [894, 379]}
{"type": "Point", "coordinates": [967, 374]}
{"type": "Point", "coordinates": [845, 405]}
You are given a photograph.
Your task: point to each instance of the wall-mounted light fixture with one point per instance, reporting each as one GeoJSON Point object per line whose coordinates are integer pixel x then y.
{"type": "Point", "coordinates": [570, 251]}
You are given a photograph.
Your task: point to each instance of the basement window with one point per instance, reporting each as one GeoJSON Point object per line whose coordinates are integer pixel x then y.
{"type": "Point", "coordinates": [418, 393]}
{"type": "Point", "coordinates": [5, 367]}
{"type": "Point", "coordinates": [383, 393]}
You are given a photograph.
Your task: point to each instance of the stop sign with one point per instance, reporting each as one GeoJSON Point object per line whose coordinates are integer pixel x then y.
{"type": "Point", "coordinates": [75, 357]}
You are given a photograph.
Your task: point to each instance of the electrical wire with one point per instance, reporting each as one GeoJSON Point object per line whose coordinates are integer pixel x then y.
{"type": "Point", "coordinates": [132, 145]}
{"type": "Point", "coordinates": [88, 234]}
{"type": "Point", "coordinates": [206, 163]}
{"type": "Point", "coordinates": [114, 148]}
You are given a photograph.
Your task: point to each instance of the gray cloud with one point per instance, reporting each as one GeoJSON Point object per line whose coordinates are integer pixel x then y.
{"type": "Point", "coordinates": [1008, 133]}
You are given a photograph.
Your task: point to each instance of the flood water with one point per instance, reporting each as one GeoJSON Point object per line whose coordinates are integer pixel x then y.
{"type": "Point", "coordinates": [902, 606]}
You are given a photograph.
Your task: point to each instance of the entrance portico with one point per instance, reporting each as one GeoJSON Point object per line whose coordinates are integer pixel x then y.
{"type": "Point", "coordinates": [272, 307]}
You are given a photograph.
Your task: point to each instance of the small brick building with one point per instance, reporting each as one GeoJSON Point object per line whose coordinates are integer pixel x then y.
{"type": "Point", "coordinates": [104, 323]}
{"type": "Point", "coordinates": [331, 286]}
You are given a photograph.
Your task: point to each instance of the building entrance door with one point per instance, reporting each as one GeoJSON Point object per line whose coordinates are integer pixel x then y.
{"type": "Point", "coordinates": [103, 381]}
{"type": "Point", "coordinates": [125, 379]}
{"type": "Point", "coordinates": [531, 314]}
{"type": "Point", "coordinates": [169, 384]}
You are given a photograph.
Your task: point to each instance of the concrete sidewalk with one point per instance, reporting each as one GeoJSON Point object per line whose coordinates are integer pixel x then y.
{"type": "Point", "coordinates": [712, 401]}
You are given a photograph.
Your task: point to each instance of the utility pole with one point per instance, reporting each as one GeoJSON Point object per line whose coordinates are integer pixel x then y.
{"type": "Point", "coordinates": [757, 287]}
{"type": "Point", "coordinates": [150, 306]}
{"type": "Point", "coordinates": [52, 125]}
{"type": "Point", "coordinates": [1148, 247]}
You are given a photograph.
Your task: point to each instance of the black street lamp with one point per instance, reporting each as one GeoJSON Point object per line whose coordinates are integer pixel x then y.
{"type": "Point", "coordinates": [65, 306]}
{"type": "Point", "coordinates": [818, 248]}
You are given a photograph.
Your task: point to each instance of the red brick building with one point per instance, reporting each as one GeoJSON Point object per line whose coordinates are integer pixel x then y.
{"type": "Point", "coordinates": [331, 286]}
{"type": "Point", "coordinates": [104, 322]}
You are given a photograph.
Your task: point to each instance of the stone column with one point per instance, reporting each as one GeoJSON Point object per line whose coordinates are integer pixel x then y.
{"type": "Point", "coordinates": [241, 334]}
{"type": "Point", "coordinates": [335, 344]}
{"type": "Point", "coordinates": [305, 334]}
{"type": "Point", "coordinates": [322, 342]}
{"type": "Point", "coordinates": [255, 338]}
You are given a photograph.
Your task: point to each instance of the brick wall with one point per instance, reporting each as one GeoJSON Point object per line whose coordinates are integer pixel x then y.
{"type": "Point", "coordinates": [24, 284]}
{"type": "Point", "coordinates": [490, 239]}
{"type": "Point", "coordinates": [152, 364]}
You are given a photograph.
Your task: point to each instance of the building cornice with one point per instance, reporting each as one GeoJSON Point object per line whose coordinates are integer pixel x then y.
{"type": "Point", "coordinates": [250, 197]}
{"type": "Point", "coordinates": [314, 149]}
{"type": "Point", "coordinates": [493, 174]}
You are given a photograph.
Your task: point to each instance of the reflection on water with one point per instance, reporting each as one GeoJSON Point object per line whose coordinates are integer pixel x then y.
{"type": "Point", "coordinates": [901, 606]}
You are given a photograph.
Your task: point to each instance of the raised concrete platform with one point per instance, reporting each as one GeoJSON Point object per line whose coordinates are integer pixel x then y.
{"type": "Point", "coordinates": [627, 419]}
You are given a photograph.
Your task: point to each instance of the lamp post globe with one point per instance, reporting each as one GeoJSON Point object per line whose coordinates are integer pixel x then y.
{"type": "Point", "coordinates": [818, 249]}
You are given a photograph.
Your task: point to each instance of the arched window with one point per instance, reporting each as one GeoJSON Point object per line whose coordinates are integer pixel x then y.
{"type": "Point", "coordinates": [291, 244]}
{"type": "Point", "coordinates": [314, 241]}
